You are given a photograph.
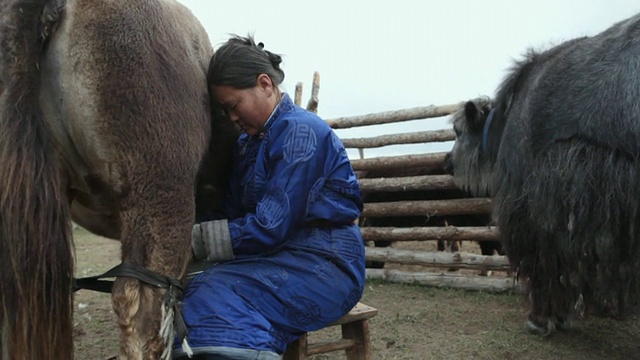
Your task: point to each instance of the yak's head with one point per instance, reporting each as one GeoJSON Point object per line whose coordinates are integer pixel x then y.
{"type": "Point", "coordinates": [469, 161]}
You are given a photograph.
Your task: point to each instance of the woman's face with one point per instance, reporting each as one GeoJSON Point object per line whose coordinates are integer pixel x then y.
{"type": "Point", "coordinates": [248, 108]}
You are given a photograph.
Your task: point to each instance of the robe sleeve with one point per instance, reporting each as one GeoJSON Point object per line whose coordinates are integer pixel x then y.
{"type": "Point", "coordinates": [297, 165]}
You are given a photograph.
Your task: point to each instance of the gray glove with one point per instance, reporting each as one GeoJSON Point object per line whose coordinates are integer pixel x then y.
{"type": "Point", "coordinates": [211, 241]}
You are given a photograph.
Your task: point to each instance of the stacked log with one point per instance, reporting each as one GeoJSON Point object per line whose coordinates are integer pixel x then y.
{"type": "Point", "coordinates": [476, 283]}
{"type": "Point", "coordinates": [405, 174]}
{"type": "Point", "coordinates": [397, 178]}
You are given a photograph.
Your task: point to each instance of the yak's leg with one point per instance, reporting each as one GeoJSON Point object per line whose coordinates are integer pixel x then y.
{"type": "Point", "coordinates": [538, 322]}
{"type": "Point", "coordinates": [553, 286]}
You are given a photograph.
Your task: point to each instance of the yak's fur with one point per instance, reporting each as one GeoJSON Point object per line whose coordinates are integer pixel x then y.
{"type": "Point", "coordinates": [562, 161]}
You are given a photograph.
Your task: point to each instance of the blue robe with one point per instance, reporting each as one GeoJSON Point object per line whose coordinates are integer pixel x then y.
{"type": "Point", "coordinates": [299, 257]}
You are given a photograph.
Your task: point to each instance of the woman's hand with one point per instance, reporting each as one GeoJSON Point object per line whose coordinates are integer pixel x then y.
{"type": "Point", "coordinates": [211, 241]}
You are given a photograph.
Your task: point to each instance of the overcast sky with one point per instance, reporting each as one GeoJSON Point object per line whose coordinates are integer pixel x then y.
{"type": "Point", "coordinates": [375, 55]}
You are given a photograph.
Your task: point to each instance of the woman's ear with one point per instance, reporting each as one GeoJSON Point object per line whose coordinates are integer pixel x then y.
{"type": "Point", "coordinates": [264, 82]}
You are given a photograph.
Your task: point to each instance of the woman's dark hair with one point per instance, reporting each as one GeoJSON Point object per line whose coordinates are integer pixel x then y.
{"type": "Point", "coordinates": [239, 61]}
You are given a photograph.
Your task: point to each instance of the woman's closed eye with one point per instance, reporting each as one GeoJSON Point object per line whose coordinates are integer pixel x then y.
{"type": "Point", "coordinates": [228, 109]}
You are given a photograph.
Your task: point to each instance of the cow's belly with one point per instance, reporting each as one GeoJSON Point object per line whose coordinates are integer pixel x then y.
{"type": "Point", "coordinates": [89, 169]}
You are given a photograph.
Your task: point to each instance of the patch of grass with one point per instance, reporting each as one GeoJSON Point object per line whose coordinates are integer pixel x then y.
{"type": "Point", "coordinates": [418, 322]}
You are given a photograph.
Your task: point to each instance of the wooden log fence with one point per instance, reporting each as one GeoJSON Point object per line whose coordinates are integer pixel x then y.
{"type": "Point", "coordinates": [426, 163]}
{"type": "Point", "coordinates": [422, 172]}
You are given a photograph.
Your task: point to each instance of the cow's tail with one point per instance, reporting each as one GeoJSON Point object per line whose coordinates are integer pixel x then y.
{"type": "Point", "coordinates": [36, 252]}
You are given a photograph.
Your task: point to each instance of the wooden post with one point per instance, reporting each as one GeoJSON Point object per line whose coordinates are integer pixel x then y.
{"type": "Point", "coordinates": [298, 96]}
{"type": "Point", "coordinates": [359, 332]}
{"type": "Point", "coordinates": [312, 105]}
{"type": "Point", "coordinates": [297, 350]}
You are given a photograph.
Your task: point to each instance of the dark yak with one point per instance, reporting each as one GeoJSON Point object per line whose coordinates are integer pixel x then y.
{"type": "Point", "coordinates": [559, 151]}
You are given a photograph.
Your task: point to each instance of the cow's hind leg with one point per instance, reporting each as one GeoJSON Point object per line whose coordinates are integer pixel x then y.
{"type": "Point", "coordinates": [156, 227]}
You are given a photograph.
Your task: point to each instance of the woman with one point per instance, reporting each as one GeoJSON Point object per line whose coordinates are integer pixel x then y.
{"type": "Point", "coordinates": [289, 257]}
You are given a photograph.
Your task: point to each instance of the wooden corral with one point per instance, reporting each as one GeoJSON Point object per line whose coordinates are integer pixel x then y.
{"type": "Point", "coordinates": [405, 190]}
{"type": "Point", "coordinates": [418, 180]}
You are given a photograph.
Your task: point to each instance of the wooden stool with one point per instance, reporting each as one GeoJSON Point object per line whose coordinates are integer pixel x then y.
{"type": "Point", "coordinates": [355, 337]}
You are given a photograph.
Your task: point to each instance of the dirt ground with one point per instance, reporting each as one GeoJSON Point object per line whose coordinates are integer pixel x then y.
{"type": "Point", "coordinates": [413, 322]}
